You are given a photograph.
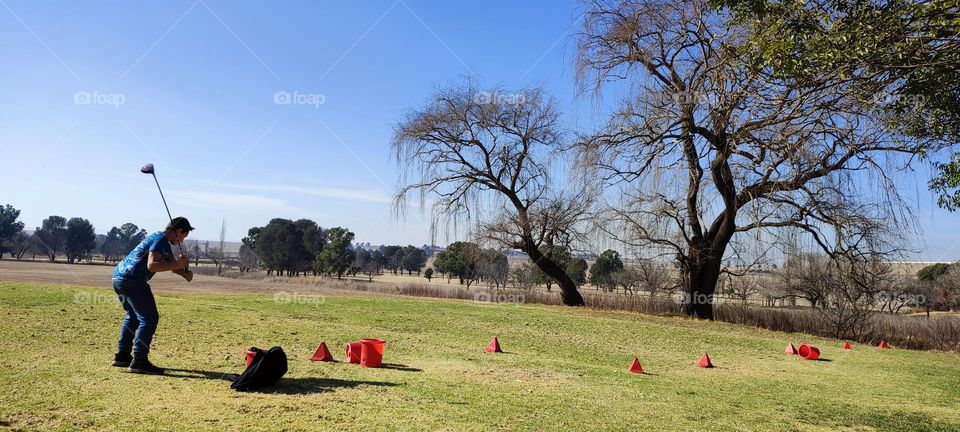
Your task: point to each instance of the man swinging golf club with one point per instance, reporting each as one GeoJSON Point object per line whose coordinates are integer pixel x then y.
{"type": "Point", "coordinates": [130, 282]}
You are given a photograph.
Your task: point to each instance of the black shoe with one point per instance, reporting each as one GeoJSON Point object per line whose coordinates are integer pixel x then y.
{"type": "Point", "coordinates": [122, 360]}
{"type": "Point", "coordinates": [144, 367]}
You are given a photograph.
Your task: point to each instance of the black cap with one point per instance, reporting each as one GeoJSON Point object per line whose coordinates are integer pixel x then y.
{"type": "Point", "coordinates": [180, 222]}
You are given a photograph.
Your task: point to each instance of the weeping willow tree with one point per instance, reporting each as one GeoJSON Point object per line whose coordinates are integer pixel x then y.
{"type": "Point", "coordinates": [709, 145]}
{"type": "Point", "coordinates": [485, 157]}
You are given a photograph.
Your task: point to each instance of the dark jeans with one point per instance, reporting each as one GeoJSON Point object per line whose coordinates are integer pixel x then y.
{"type": "Point", "coordinates": [136, 331]}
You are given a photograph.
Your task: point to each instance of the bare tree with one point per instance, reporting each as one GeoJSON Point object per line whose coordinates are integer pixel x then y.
{"type": "Point", "coordinates": [628, 279]}
{"type": "Point", "coordinates": [249, 260]}
{"type": "Point", "coordinates": [371, 269]}
{"type": "Point", "coordinates": [852, 291]}
{"type": "Point", "coordinates": [807, 275]}
{"type": "Point", "coordinates": [218, 254]}
{"type": "Point", "coordinates": [710, 143]}
{"type": "Point", "coordinates": [19, 244]}
{"type": "Point", "coordinates": [523, 277]}
{"type": "Point", "coordinates": [776, 289]}
{"type": "Point", "coordinates": [929, 295]}
{"type": "Point", "coordinates": [194, 250]}
{"type": "Point", "coordinates": [950, 287]}
{"type": "Point", "coordinates": [484, 155]}
{"type": "Point", "coordinates": [655, 277]}
{"type": "Point", "coordinates": [741, 288]}
{"type": "Point", "coordinates": [897, 292]}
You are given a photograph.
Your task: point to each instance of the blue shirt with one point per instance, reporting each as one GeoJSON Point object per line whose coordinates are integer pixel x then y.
{"type": "Point", "coordinates": [134, 266]}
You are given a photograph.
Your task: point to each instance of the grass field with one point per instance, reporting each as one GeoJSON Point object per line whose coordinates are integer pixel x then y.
{"type": "Point", "coordinates": [564, 369]}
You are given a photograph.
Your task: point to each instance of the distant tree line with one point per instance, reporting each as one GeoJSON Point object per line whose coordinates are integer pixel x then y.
{"type": "Point", "coordinates": [292, 248]}
{"type": "Point", "coordinates": [396, 259]}
{"type": "Point", "coordinates": [469, 263]}
{"type": "Point", "coordinates": [287, 247]}
{"type": "Point", "coordinates": [74, 238]}
{"type": "Point", "coordinates": [120, 241]}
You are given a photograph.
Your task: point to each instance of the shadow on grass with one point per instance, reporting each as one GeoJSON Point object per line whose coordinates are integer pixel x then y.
{"type": "Point", "coordinates": [293, 386]}
{"type": "Point", "coordinates": [400, 367]}
{"type": "Point", "coordinates": [199, 374]}
{"type": "Point", "coordinates": [298, 386]}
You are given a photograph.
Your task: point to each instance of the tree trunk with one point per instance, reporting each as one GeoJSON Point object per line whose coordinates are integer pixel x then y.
{"type": "Point", "coordinates": [701, 284]}
{"type": "Point", "coordinates": [568, 288]}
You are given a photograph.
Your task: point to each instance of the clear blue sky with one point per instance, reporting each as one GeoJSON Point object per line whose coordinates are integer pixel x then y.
{"type": "Point", "coordinates": [190, 86]}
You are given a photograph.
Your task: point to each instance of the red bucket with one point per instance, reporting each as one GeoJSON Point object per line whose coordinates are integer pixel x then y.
{"type": "Point", "coordinates": [371, 354]}
{"type": "Point", "coordinates": [809, 352]}
{"type": "Point", "coordinates": [353, 352]}
{"type": "Point", "coordinates": [251, 353]}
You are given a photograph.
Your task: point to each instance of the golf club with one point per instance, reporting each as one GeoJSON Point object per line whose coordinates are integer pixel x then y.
{"type": "Point", "coordinates": [148, 169]}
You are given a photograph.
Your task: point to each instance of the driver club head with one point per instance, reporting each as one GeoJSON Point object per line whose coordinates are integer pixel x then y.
{"type": "Point", "coordinates": [147, 169]}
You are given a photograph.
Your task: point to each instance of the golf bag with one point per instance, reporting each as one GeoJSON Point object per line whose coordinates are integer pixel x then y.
{"type": "Point", "coordinates": [265, 370]}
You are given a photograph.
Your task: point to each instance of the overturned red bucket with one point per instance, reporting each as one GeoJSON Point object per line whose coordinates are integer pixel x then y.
{"type": "Point", "coordinates": [353, 352]}
{"type": "Point", "coordinates": [809, 352]}
{"type": "Point", "coordinates": [371, 352]}
{"type": "Point", "coordinates": [251, 353]}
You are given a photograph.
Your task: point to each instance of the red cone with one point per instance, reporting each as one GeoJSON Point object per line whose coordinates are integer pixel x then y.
{"type": "Point", "coordinates": [790, 349]}
{"type": "Point", "coordinates": [883, 345]}
{"type": "Point", "coordinates": [705, 361]}
{"type": "Point", "coordinates": [494, 346]}
{"type": "Point", "coordinates": [322, 353]}
{"type": "Point", "coordinates": [846, 346]}
{"type": "Point", "coordinates": [635, 367]}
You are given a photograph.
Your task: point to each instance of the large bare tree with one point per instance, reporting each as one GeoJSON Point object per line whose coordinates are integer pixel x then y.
{"type": "Point", "coordinates": [709, 144]}
{"type": "Point", "coordinates": [484, 156]}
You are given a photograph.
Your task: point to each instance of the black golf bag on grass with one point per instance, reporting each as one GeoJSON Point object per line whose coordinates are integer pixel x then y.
{"type": "Point", "coordinates": [265, 370]}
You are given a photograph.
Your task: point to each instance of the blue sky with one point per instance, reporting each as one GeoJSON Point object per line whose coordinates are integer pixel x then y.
{"type": "Point", "coordinates": [93, 90]}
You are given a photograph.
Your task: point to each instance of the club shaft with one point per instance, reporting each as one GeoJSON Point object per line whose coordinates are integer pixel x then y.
{"type": "Point", "coordinates": [179, 248]}
{"type": "Point", "coordinates": [162, 197]}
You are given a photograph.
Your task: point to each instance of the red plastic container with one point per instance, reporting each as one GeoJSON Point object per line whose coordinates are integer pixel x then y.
{"type": "Point", "coordinates": [371, 352]}
{"type": "Point", "coordinates": [809, 352]}
{"type": "Point", "coordinates": [251, 353]}
{"type": "Point", "coordinates": [353, 352]}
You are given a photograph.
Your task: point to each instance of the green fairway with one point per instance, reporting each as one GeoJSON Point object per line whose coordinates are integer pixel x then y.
{"type": "Point", "coordinates": [564, 369]}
